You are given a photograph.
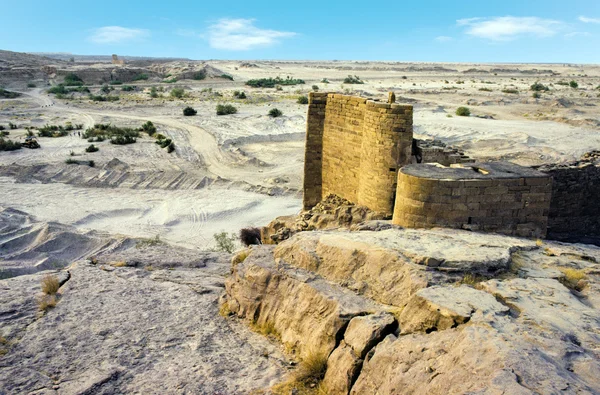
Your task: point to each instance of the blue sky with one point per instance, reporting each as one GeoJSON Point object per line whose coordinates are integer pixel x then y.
{"type": "Point", "coordinates": [444, 31]}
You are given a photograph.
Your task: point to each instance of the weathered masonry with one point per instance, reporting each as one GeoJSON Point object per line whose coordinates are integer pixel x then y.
{"type": "Point", "coordinates": [354, 148]}
{"type": "Point", "coordinates": [494, 197]}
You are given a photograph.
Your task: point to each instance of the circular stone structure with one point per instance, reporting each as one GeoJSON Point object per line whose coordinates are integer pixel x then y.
{"type": "Point", "coordinates": [493, 196]}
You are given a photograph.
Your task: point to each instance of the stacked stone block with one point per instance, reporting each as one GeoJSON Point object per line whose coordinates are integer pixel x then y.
{"type": "Point", "coordinates": [354, 148]}
{"type": "Point", "coordinates": [574, 209]}
{"type": "Point", "coordinates": [492, 197]}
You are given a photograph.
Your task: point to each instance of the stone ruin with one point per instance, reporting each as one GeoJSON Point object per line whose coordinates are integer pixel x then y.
{"type": "Point", "coordinates": [363, 151]}
{"type": "Point", "coordinates": [116, 60]}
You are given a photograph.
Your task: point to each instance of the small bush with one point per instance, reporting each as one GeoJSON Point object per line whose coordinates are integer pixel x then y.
{"type": "Point", "coordinates": [149, 128]}
{"type": "Point", "coordinates": [225, 241]}
{"type": "Point", "coordinates": [170, 81]}
{"type": "Point", "coordinates": [539, 87]}
{"type": "Point", "coordinates": [92, 148]}
{"type": "Point", "coordinates": [163, 142]}
{"type": "Point", "coordinates": [177, 92]}
{"type": "Point", "coordinates": [92, 163]}
{"type": "Point", "coordinates": [226, 76]}
{"type": "Point", "coordinates": [50, 284]}
{"type": "Point", "coordinates": [275, 112]}
{"type": "Point", "coordinates": [189, 111]}
{"type": "Point", "coordinates": [116, 83]}
{"type": "Point", "coordinates": [315, 88]}
{"type": "Point", "coordinates": [325, 81]}
{"type": "Point", "coordinates": [155, 241]}
{"type": "Point", "coordinates": [510, 90]}
{"type": "Point", "coordinates": [9, 145]}
{"type": "Point", "coordinates": [574, 84]}
{"type": "Point", "coordinates": [463, 112]}
{"type": "Point", "coordinates": [485, 89]}
{"type": "Point", "coordinates": [199, 75]}
{"type": "Point", "coordinates": [250, 236]}
{"type": "Point", "coordinates": [353, 80]}
{"type": "Point", "coordinates": [140, 77]}
{"type": "Point", "coordinates": [536, 95]}
{"type": "Point", "coordinates": [54, 131]}
{"type": "Point", "coordinates": [70, 161]}
{"type": "Point", "coordinates": [105, 88]}
{"type": "Point", "coordinates": [226, 109]}
{"type": "Point", "coordinates": [31, 85]}
{"type": "Point", "coordinates": [273, 82]}
{"type": "Point", "coordinates": [302, 100]}
{"type": "Point", "coordinates": [239, 95]}
{"type": "Point", "coordinates": [72, 79]}
{"type": "Point", "coordinates": [12, 126]}
{"type": "Point", "coordinates": [171, 147]}
{"type": "Point", "coordinates": [46, 302]}
{"type": "Point", "coordinates": [127, 88]}
{"type": "Point", "coordinates": [153, 93]}
{"type": "Point", "coordinates": [122, 140]}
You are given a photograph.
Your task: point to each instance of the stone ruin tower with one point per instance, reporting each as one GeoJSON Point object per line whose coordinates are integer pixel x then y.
{"type": "Point", "coordinates": [116, 60]}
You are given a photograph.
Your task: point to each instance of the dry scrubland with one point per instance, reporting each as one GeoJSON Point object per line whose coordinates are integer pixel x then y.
{"type": "Point", "coordinates": [134, 223]}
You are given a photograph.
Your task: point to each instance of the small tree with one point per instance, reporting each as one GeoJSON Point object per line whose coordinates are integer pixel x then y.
{"type": "Point", "coordinates": [225, 241]}
{"type": "Point", "coordinates": [574, 84]}
{"type": "Point", "coordinates": [275, 112]}
{"type": "Point", "coordinates": [149, 128]}
{"type": "Point", "coordinates": [153, 93]}
{"type": "Point", "coordinates": [539, 87]}
{"type": "Point", "coordinates": [463, 112]}
{"type": "Point", "coordinates": [189, 111]}
{"type": "Point", "coordinates": [177, 92]}
{"type": "Point", "coordinates": [315, 88]}
{"type": "Point", "coordinates": [92, 148]}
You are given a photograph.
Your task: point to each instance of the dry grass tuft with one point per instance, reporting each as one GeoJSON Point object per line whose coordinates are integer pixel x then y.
{"type": "Point", "coordinates": [50, 284]}
{"type": "Point", "coordinates": [539, 242]}
{"type": "Point", "coordinates": [46, 302]}
{"type": "Point", "coordinates": [240, 257]}
{"type": "Point", "coordinates": [573, 279]}
{"type": "Point", "coordinates": [472, 280]}
{"type": "Point", "coordinates": [118, 264]}
{"type": "Point", "coordinates": [224, 310]}
{"type": "Point", "coordinates": [149, 268]}
{"type": "Point", "coordinates": [266, 329]}
{"type": "Point", "coordinates": [312, 368]}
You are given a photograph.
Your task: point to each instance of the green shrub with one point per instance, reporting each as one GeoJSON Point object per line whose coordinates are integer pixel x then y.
{"type": "Point", "coordinates": [239, 95]}
{"type": "Point", "coordinates": [563, 83]}
{"type": "Point", "coordinates": [275, 112]}
{"type": "Point", "coordinates": [536, 95]}
{"type": "Point", "coordinates": [177, 92]}
{"type": "Point", "coordinates": [226, 76]}
{"type": "Point", "coordinates": [199, 75]}
{"type": "Point", "coordinates": [485, 89]}
{"type": "Point", "coordinates": [103, 98]}
{"type": "Point", "coordinates": [302, 100]}
{"type": "Point", "coordinates": [189, 111]}
{"type": "Point", "coordinates": [92, 163]}
{"type": "Point", "coordinates": [225, 241]}
{"type": "Point", "coordinates": [226, 109]}
{"type": "Point", "coordinates": [105, 89]}
{"type": "Point", "coordinates": [149, 128]}
{"type": "Point", "coordinates": [100, 132]}
{"type": "Point", "coordinates": [325, 81]}
{"type": "Point", "coordinates": [92, 148]}
{"type": "Point", "coordinates": [12, 126]}
{"type": "Point", "coordinates": [463, 112]}
{"type": "Point", "coordinates": [510, 90]}
{"type": "Point", "coordinates": [70, 161]}
{"type": "Point", "coordinates": [574, 84]}
{"type": "Point", "coordinates": [72, 79]}
{"type": "Point", "coordinates": [8, 94]}
{"type": "Point", "coordinates": [9, 145]}
{"type": "Point", "coordinates": [539, 87]}
{"type": "Point", "coordinates": [4, 133]}
{"type": "Point", "coordinates": [164, 142]}
{"type": "Point", "coordinates": [315, 88]}
{"type": "Point", "coordinates": [170, 81]}
{"type": "Point", "coordinates": [153, 93]}
{"type": "Point", "coordinates": [116, 83]}
{"type": "Point", "coordinates": [128, 88]}
{"type": "Point", "coordinates": [53, 131]}
{"type": "Point", "coordinates": [122, 140]}
{"type": "Point", "coordinates": [140, 77]}
{"type": "Point", "coordinates": [31, 85]}
{"type": "Point", "coordinates": [171, 147]}
{"type": "Point", "coordinates": [353, 80]}
{"type": "Point", "coordinates": [273, 82]}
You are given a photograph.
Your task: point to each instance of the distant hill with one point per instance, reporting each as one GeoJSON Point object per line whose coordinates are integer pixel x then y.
{"type": "Point", "coordinates": [65, 56]}
{"type": "Point", "coordinates": [11, 59]}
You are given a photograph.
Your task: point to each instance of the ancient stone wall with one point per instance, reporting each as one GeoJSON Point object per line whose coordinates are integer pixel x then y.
{"type": "Point", "coordinates": [574, 209]}
{"type": "Point", "coordinates": [434, 151]}
{"type": "Point", "coordinates": [354, 148]}
{"type": "Point", "coordinates": [493, 197]}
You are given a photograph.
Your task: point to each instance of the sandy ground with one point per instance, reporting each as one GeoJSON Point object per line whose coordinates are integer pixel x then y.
{"type": "Point", "coordinates": [244, 169]}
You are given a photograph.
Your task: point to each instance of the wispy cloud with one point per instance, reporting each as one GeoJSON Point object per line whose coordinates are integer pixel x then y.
{"type": "Point", "coordinates": [242, 35]}
{"type": "Point", "coordinates": [509, 27]}
{"type": "Point", "coordinates": [117, 34]}
{"type": "Point", "coordinates": [443, 39]}
{"type": "Point", "coordinates": [585, 19]}
{"type": "Point", "coordinates": [577, 34]}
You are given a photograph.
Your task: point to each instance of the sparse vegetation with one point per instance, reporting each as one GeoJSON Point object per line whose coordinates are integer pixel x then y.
{"type": "Point", "coordinates": [266, 329]}
{"type": "Point", "coordinates": [31, 85]}
{"type": "Point", "coordinates": [8, 94]}
{"type": "Point", "coordinates": [9, 145]}
{"type": "Point", "coordinates": [302, 100]}
{"type": "Point", "coordinates": [153, 92]}
{"type": "Point", "coordinates": [150, 242]}
{"type": "Point", "coordinates": [46, 302]}
{"type": "Point", "coordinates": [72, 79]}
{"type": "Point", "coordinates": [225, 242]}
{"type": "Point", "coordinates": [116, 83]}
{"type": "Point", "coordinates": [463, 112]}
{"type": "Point", "coordinates": [226, 76]}
{"type": "Point", "coordinates": [574, 84]}
{"type": "Point", "coordinates": [189, 111]}
{"type": "Point", "coordinates": [92, 148]}
{"type": "Point", "coordinates": [177, 92]}
{"type": "Point", "coordinates": [315, 88]}
{"type": "Point", "coordinates": [510, 90]}
{"type": "Point", "coordinates": [485, 89]}
{"type": "Point", "coordinates": [275, 112]}
{"type": "Point", "coordinates": [536, 95]}
{"type": "Point", "coordinates": [199, 75]}
{"type": "Point", "coordinates": [226, 109]}
{"type": "Point", "coordinates": [103, 98]}
{"type": "Point", "coordinates": [239, 95]}
{"type": "Point", "coordinates": [149, 128]}
{"type": "Point", "coordinates": [127, 88]}
{"type": "Point", "coordinates": [573, 279]}
{"type": "Point", "coordinates": [50, 284]}
{"type": "Point", "coordinates": [140, 77]}
{"type": "Point", "coordinates": [273, 82]}
{"type": "Point", "coordinates": [117, 135]}
{"type": "Point", "coordinates": [539, 87]}
{"type": "Point", "coordinates": [170, 81]}
{"type": "Point", "coordinates": [53, 131]}
{"type": "Point", "coordinates": [70, 161]}
{"type": "Point", "coordinates": [353, 80]}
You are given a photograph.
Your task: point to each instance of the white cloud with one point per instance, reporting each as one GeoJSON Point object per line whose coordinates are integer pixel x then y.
{"type": "Point", "coordinates": [242, 35]}
{"type": "Point", "coordinates": [443, 39]}
{"type": "Point", "coordinates": [509, 27]}
{"type": "Point", "coordinates": [577, 34]}
{"type": "Point", "coordinates": [117, 34]}
{"type": "Point", "coordinates": [585, 19]}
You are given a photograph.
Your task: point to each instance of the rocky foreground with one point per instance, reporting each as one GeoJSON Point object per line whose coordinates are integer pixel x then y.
{"type": "Point", "coordinates": [387, 310]}
{"type": "Point", "coordinates": [428, 311]}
